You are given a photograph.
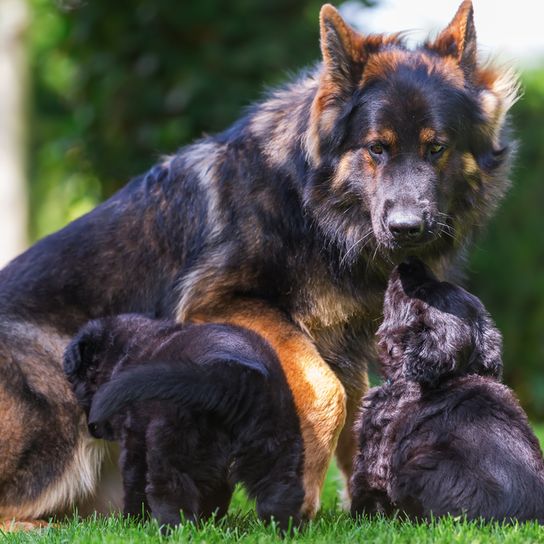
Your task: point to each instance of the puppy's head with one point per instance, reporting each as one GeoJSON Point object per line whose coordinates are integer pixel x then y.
{"type": "Point", "coordinates": [433, 329]}
{"type": "Point", "coordinates": [88, 363]}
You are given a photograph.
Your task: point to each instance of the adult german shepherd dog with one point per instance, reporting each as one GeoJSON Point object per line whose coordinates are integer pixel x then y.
{"type": "Point", "coordinates": [288, 223]}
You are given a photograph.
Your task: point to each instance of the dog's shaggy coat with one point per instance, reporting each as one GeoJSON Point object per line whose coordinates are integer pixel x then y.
{"type": "Point", "coordinates": [442, 435]}
{"type": "Point", "coordinates": [288, 223]}
{"type": "Point", "coordinates": [197, 408]}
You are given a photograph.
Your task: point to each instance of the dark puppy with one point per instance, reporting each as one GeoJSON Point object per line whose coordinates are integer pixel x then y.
{"type": "Point", "coordinates": [442, 435]}
{"type": "Point", "coordinates": [196, 408]}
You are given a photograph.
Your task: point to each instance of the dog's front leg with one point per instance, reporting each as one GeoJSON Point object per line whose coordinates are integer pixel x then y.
{"type": "Point", "coordinates": [318, 395]}
{"type": "Point", "coordinates": [347, 441]}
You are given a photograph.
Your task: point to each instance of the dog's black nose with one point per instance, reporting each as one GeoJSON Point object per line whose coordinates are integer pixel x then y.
{"type": "Point", "coordinates": [406, 226]}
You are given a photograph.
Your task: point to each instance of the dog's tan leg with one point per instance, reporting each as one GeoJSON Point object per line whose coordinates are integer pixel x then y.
{"type": "Point", "coordinates": [347, 441]}
{"type": "Point", "coordinates": [319, 396]}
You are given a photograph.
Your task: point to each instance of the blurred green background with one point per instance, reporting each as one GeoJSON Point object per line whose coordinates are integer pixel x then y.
{"type": "Point", "coordinates": [116, 84]}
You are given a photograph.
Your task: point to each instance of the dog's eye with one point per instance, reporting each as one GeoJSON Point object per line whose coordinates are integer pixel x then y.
{"type": "Point", "coordinates": [436, 149]}
{"type": "Point", "coordinates": [376, 149]}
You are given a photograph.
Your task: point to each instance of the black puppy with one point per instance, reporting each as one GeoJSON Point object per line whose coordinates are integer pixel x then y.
{"type": "Point", "coordinates": [196, 408]}
{"type": "Point", "coordinates": [442, 435]}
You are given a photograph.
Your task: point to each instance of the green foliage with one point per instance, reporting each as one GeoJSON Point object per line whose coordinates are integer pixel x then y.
{"type": "Point", "coordinates": [507, 267]}
{"type": "Point", "coordinates": [115, 84]}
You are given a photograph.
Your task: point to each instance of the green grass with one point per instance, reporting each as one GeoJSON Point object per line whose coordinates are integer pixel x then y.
{"type": "Point", "coordinates": [332, 525]}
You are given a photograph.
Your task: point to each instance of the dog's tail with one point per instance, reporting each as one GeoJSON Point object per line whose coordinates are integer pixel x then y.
{"type": "Point", "coordinates": [226, 385]}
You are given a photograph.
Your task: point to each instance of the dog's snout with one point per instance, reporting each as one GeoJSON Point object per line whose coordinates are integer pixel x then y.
{"type": "Point", "coordinates": [406, 225]}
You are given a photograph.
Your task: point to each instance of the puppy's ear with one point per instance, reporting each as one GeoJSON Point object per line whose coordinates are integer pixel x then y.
{"type": "Point", "coordinates": [487, 356]}
{"type": "Point", "coordinates": [438, 345]}
{"type": "Point", "coordinates": [429, 355]}
{"type": "Point", "coordinates": [78, 354]}
{"type": "Point", "coordinates": [72, 358]}
{"type": "Point", "coordinates": [390, 352]}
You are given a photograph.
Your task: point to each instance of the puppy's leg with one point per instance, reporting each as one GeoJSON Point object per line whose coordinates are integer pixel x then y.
{"type": "Point", "coordinates": [319, 396]}
{"type": "Point", "coordinates": [215, 500]}
{"type": "Point", "coordinates": [280, 501]}
{"type": "Point", "coordinates": [366, 497]}
{"type": "Point", "coordinates": [369, 483]}
{"type": "Point", "coordinates": [170, 494]}
{"type": "Point", "coordinates": [134, 468]}
{"type": "Point", "coordinates": [273, 478]}
{"type": "Point", "coordinates": [369, 502]}
{"type": "Point", "coordinates": [170, 489]}
{"type": "Point", "coordinates": [210, 462]}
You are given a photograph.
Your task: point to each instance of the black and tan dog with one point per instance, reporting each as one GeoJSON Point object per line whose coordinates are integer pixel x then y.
{"type": "Point", "coordinates": [288, 223]}
{"type": "Point", "coordinates": [442, 435]}
{"type": "Point", "coordinates": [197, 408]}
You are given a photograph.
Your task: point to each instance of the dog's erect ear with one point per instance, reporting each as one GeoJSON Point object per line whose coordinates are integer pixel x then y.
{"type": "Point", "coordinates": [458, 39]}
{"type": "Point", "coordinates": [501, 88]}
{"type": "Point", "coordinates": [345, 53]}
{"type": "Point", "coordinates": [341, 47]}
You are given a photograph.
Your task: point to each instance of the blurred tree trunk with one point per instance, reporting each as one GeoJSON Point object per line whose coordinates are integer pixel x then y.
{"type": "Point", "coordinates": [13, 84]}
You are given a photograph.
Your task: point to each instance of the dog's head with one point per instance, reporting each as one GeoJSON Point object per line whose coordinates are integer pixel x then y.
{"type": "Point", "coordinates": [433, 329]}
{"type": "Point", "coordinates": [89, 360]}
{"type": "Point", "coordinates": [409, 148]}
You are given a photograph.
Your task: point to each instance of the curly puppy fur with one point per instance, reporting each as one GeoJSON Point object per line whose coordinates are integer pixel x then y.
{"type": "Point", "coordinates": [442, 435]}
{"type": "Point", "coordinates": [434, 330]}
{"type": "Point", "coordinates": [196, 409]}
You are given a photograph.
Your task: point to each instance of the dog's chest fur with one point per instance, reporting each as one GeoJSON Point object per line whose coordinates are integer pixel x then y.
{"type": "Point", "coordinates": [342, 324]}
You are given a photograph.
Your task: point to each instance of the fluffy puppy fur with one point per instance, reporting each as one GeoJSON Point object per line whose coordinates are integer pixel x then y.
{"type": "Point", "coordinates": [442, 435]}
{"type": "Point", "coordinates": [196, 409]}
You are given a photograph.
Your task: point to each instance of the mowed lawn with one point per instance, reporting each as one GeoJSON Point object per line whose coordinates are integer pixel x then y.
{"type": "Point", "coordinates": [332, 525]}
